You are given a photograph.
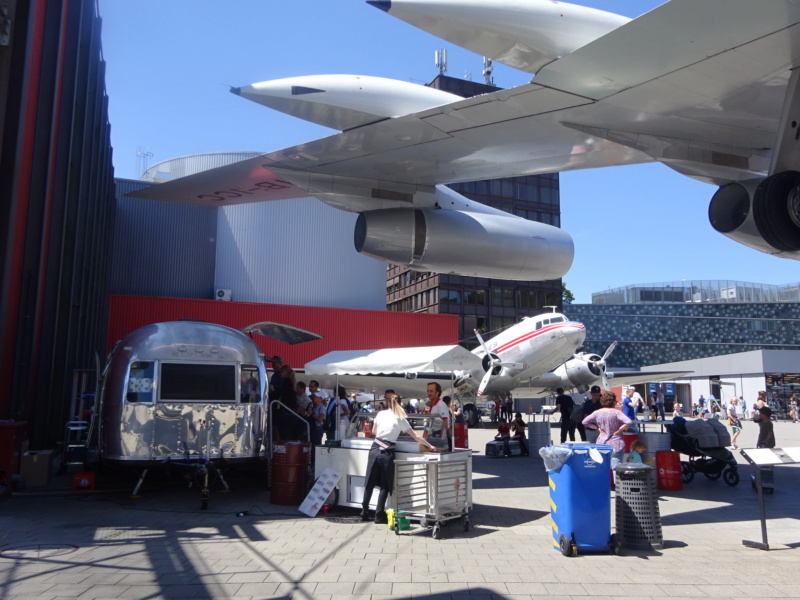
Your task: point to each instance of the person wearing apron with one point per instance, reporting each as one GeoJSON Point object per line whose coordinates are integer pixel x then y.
{"type": "Point", "coordinates": [387, 427]}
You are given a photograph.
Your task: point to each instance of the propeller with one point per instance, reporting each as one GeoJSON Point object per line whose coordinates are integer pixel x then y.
{"type": "Point", "coordinates": [597, 364]}
{"type": "Point", "coordinates": [493, 365]}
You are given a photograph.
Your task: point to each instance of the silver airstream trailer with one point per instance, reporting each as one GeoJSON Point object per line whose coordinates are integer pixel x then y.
{"type": "Point", "coordinates": [182, 393]}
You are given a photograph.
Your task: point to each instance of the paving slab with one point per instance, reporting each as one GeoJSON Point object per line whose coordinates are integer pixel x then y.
{"type": "Point", "coordinates": [56, 543]}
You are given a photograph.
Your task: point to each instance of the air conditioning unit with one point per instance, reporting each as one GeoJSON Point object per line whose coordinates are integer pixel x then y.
{"type": "Point", "coordinates": [223, 294]}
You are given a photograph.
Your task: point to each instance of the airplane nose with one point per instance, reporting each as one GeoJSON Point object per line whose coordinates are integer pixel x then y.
{"type": "Point", "coordinates": [576, 335]}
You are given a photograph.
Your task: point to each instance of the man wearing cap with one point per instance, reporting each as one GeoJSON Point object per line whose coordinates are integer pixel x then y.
{"type": "Point", "coordinates": [589, 406]}
{"type": "Point", "coordinates": [565, 404]}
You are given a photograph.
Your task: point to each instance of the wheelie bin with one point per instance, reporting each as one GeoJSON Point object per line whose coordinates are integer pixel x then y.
{"type": "Point", "coordinates": [580, 496]}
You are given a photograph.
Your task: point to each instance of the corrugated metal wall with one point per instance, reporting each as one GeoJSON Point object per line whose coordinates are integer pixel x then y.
{"type": "Point", "coordinates": [296, 252]}
{"type": "Point", "coordinates": [57, 210]}
{"type": "Point", "coordinates": [344, 329]}
{"type": "Point", "coordinates": [163, 248]}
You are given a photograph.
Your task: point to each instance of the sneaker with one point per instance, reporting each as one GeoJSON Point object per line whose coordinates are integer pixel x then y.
{"type": "Point", "coordinates": [364, 515]}
{"type": "Point", "coordinates": [381, 518]}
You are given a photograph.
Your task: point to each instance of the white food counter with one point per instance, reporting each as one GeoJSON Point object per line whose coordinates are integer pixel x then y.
{"type": "Point", "coordinates": [351, 461]}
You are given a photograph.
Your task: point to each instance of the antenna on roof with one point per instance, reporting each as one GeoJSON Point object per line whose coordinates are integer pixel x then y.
{"type": "Point", "coordinates": [551, 306]}
{"type": "Point", "coordinates": [142, 158]}
{"type": "Point", "coordinates": [487, 71]}
{"type": "Point", "coordinates": [440, 60]}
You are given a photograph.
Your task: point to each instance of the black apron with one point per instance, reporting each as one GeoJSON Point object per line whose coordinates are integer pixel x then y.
{"type": "Point", "coordinates": [380, 465]}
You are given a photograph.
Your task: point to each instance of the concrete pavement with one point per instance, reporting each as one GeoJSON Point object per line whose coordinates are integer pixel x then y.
{"type": "Point", "coordinates": [63, 544]}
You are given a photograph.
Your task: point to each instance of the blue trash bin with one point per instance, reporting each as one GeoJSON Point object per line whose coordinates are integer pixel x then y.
{"type": "Point", "coordinates": [580, 498]}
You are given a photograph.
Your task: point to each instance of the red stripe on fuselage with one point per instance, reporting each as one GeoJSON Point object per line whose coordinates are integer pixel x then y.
{"type": "Point", "coordinates": [533, 334]}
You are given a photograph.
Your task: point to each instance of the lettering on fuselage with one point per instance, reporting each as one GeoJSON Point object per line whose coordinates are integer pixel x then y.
{"type": "Point", "coordinates": [239, 192]}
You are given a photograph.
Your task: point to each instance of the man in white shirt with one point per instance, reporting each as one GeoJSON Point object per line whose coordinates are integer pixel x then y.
{"type": "Point", "coordinates": [437, 407]}
{"type": "Point", "coordinates": [490, 406]}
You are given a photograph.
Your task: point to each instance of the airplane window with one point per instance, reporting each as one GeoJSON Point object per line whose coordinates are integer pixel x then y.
{"type": "Point", "coordinates": [546, 321]}
{"type": "Point", "coordinates": [557, 320]}
{"type": "Point", "coordinates": [539, 325]}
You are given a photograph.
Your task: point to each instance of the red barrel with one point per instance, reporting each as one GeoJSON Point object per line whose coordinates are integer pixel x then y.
{"type": "Point", "coordinates": [629, 438]}
{"type": "Point", "coordinates": [668, 466]}
{"type": "Point", "coordinates": [290, 464]}
{"type": "Point", "coordinates": [460, 435]}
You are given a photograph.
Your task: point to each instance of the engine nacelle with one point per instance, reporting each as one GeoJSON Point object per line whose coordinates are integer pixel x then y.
{"type": "Point", "coordinates": [760, 213]}
{"type": "Point", "coordinates": [581, 373]}
{"type": "Point", "coordinates": [465, 243]}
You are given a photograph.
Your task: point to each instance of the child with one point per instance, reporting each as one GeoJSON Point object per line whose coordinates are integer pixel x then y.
{"type": "Point", "coordinates": [766, 433]}
{"type": "Point", "coordinates": [504, 435]}
{"type": "Point", "coordinates": [635, 455]}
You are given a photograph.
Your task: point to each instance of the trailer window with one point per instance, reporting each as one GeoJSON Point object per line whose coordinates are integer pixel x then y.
{"type": "Point", "coordinates": [140, 382]}
{"type": "Point", "coordinates": [198, 382]}
{"type": "Point", "coordinates": [250, 389]}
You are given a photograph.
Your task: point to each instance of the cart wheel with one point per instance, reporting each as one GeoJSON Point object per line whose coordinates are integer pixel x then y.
{"type": "Point", "coordinates": [424, 523]}
{"type": "Point", "coordinates": [731, 477]}
{"type": "Point", "coordinates": [687, 472]}
{"type": "Point", "coordinates": [396, 528]}
{"type": "Point", "coordinates": [713, 476]}
{"type": "Point", "coordinates": [466, 525]}
{"type": "Point", "coordinates": [436, 532]}
{"type": "Point", "coordinates": [567, 549]}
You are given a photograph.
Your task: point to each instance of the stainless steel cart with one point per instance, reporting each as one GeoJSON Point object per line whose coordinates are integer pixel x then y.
{"type": "Point", "coordinates": [432, 489]}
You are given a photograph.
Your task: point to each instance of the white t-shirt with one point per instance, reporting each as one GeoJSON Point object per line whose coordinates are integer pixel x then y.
{"type": "Point", "coordinates": [389, 426]}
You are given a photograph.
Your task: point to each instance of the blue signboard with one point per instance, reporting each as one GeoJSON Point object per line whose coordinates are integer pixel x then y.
{"type": "Point", "coordinates": [652, 388]}
{"type": "Point", "coordinates": [669, 389]}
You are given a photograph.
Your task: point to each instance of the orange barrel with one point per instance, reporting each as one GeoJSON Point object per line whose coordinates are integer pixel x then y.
{"type": "Point", "coordinates": [629, 438]}
{"type": "Point", "coordinates": [460, 435]}
{"type": "Point", "coordinates": [668, 466]}
{"type": "Point", "coordinates": [290, 464]}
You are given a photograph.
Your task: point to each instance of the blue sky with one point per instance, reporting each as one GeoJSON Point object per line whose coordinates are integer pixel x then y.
{"type": "Point", "coordinates": [169, 65]}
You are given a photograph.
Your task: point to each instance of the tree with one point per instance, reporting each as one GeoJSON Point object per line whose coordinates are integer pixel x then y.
{"type": "Point", "coordinates": [567, 297]}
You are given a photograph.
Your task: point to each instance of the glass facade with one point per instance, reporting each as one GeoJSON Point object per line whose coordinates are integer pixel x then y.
{"type": "Point", "coordinates": [714, 291]}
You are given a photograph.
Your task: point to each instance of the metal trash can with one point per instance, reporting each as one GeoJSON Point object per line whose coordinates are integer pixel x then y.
{"type": "Point", "coordinates": [638, 518]}
{"type": "Point", "coordinates": [580, 504]}
{"type": "Point", "coordinates": [538, 434]}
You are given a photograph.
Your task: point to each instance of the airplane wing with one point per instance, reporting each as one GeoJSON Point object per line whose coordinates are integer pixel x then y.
{"type": "Point", "coordinates": [405, 370]}
{"type": "Point", "coordinates": [696, 85]}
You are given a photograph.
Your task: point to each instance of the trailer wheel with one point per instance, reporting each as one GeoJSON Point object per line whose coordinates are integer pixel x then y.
{"type": "Point", "coordinates": [396, 528]}
{"type": "Point", "coordinates": [466, 525]}
{"type": "Point", "coordinates": [436, 532]}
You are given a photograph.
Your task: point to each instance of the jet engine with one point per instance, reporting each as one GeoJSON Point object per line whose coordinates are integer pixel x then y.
{"type": "Point", "coordinates": [760, 213]}
{"type": "Point", "coordinates": [465, 243]}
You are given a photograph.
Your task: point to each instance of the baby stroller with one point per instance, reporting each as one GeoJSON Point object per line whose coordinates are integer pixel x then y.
{"type": "Point", "coordinates": [704, 443]}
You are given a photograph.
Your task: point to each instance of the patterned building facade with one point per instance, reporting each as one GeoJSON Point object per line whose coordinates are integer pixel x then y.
{"type": "Point", "coordinates": [660, 331]}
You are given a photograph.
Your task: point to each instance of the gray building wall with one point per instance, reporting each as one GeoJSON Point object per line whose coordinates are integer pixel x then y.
{"type": "Point", "coordinates": [163, 248]}
{"type": "Point", "coordinates": [298, 252]}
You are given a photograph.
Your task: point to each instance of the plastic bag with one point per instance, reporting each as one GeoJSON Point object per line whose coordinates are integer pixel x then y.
{"type": "Point", "coordinates": [554, 456]}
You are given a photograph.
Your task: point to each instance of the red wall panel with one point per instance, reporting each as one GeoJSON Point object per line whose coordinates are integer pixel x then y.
{"type": "Point", "coordinates": [342, 328]}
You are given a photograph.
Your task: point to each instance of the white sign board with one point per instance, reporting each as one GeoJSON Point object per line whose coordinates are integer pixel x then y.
{"type": "Point", "coordinates": [320, 492]}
